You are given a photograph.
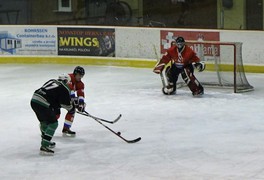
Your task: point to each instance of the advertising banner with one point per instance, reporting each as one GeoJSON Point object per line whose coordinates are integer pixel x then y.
{"type": "Point", "coordinates": [168, 36]}
{"type": "Point", "coordinates": [28, 41]}
{"type": "Point", "coordinates": [86, 41]}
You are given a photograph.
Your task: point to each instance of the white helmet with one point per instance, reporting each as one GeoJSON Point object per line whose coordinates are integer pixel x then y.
{"type": "Point", "coordinates": [64, 78]}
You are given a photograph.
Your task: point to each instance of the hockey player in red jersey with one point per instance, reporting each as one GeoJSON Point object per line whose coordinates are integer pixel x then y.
{"type": "Point", "coordinates": [77, 96]}
{"type": "Point", "coordinates": [182, 59]}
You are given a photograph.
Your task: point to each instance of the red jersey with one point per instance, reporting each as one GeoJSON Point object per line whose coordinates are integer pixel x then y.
{"type": "Point", "coordinates": [76, 86]}
{"type": "Point", "coordinates": [181, 59]}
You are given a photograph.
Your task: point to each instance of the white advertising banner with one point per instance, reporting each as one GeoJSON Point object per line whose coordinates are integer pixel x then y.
{"type": "Point", "coordinates": [28, 40]}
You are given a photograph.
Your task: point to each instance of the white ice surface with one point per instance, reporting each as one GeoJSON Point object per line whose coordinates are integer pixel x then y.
{"type": "Point", "coordinates": [219, 136]}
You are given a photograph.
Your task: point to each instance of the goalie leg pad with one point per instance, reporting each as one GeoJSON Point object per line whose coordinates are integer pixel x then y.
{"type": "Point", "coordinates": [172, 74]}
{"type": "Point", "coordinates": [191, 81]}
{"type": "Point", "coordinates": [169, 90]}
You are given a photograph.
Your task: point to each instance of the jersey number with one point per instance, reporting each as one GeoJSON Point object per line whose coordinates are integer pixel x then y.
{"type": "Point", "coordinates": [50, 85]}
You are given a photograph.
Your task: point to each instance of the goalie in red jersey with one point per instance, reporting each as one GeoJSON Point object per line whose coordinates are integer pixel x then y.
{"type": "Point", "coordinates": [77, 96]}
{"type": "Point", "coordinates": [183, 60]}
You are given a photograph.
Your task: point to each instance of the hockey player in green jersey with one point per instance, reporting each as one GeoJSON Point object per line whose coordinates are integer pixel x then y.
{"type": "Point", "coordinates": [46, 103]}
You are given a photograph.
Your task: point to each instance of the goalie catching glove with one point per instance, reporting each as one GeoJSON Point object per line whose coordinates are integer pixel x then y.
{"type": "Point", "coordinates": [200, 66]}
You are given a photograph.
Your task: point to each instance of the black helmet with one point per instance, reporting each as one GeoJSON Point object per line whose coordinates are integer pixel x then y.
{"type": "Point", "coordinates": [79, 70]}
{"type": "Point", "coordinates": [180, 42]}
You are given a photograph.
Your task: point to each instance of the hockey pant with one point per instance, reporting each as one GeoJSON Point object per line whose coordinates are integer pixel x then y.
{"type": "Point", "coordinates": [188, 77]}
{"type": "Point", "coordinates": [48, 122]}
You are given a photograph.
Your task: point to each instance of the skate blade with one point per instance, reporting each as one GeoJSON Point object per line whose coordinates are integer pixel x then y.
{"type": "Point", "coordinates": [51, 147]}
{"type": "Point", "coordinates": [68, 135]}
{"type": "Point", "coordinates": [198, 95]}
{"type": "Point", "coordinates": [43, 153]}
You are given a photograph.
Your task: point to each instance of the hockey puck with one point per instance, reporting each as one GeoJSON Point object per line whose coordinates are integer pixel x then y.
{"type": "Point", "coordinates": [118, 133]}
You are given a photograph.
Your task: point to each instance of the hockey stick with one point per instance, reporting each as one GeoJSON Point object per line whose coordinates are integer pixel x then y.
{"type": "Point", "coordinates": [161, 74]}
{"type": "Point", "coordinates": [162, 79]}
{"type": "Point", "coordinates": [85, 113]}
{"type": "Point", "coordinates": [116, 133]}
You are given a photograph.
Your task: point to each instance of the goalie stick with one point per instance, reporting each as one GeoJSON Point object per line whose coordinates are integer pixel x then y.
{"type": "Point", "coordinates": [85, 113]}
{"type": "Point", "coordinates": [116, 133]}
{"type": "Point", "coordinates": [161, 74]}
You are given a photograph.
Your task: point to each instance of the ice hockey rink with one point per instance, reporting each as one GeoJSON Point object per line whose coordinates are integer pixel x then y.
{"type": "Point", "coordinates": [218, 136]}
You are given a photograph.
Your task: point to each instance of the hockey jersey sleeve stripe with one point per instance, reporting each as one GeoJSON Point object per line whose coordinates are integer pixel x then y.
{"type": "Point", "coordinates": [40, 100]}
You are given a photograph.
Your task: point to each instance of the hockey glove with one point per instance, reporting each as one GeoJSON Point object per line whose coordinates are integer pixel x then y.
{"type": "Point", "coordinates": [81, 105]}
{"type": "Point", "coordinates": [74, 99]}
{"type": "Point", "coordinates": [159, 68]}
{"type": "Point", "coordinates": [200, 66]}
{"type": "Point", "coordinates": [75, 102]}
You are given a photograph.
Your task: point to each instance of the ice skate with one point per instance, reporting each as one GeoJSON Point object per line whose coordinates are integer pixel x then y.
{"type": "Point", "coordinates": [52, 145]}
{"type": "Point", "coordinates": [45, 151]}
{"type": "Point", "coordinates": [66, 132]}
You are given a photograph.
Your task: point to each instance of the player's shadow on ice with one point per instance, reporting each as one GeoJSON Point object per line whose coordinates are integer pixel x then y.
{"type": "Point", "coordinates": [70, 140]}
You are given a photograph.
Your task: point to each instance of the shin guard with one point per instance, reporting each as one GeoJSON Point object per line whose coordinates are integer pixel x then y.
{"type": "Point", "coordinates": [48, 134]}
{"type": "Point", "coordinates": [68, 120]}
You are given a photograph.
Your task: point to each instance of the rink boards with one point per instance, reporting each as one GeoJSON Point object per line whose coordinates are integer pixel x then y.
{"type": "Point", "coordinates": [114, 46]}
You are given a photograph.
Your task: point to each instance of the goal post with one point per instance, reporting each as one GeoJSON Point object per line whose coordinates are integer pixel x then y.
{"type": "Point", "coordinates": [224, 64]}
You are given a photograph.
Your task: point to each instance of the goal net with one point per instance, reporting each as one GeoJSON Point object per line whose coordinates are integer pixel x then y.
{"type": "Point", "coordinates": [224, 65]}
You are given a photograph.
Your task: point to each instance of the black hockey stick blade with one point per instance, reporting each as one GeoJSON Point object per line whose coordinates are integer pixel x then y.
{"type": "Point", "coordinates": [116, 133]}
{"type": "Point", "coordinates": [114, 121]}
{"type": "Point", "coordinates": [134, 140]}
{"type": "Point", "coordinates": [126, 140]}
{"type": "Point", "coordinates": [100, 119]}
{"type": "Point", "coordinates": [104, 120]}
